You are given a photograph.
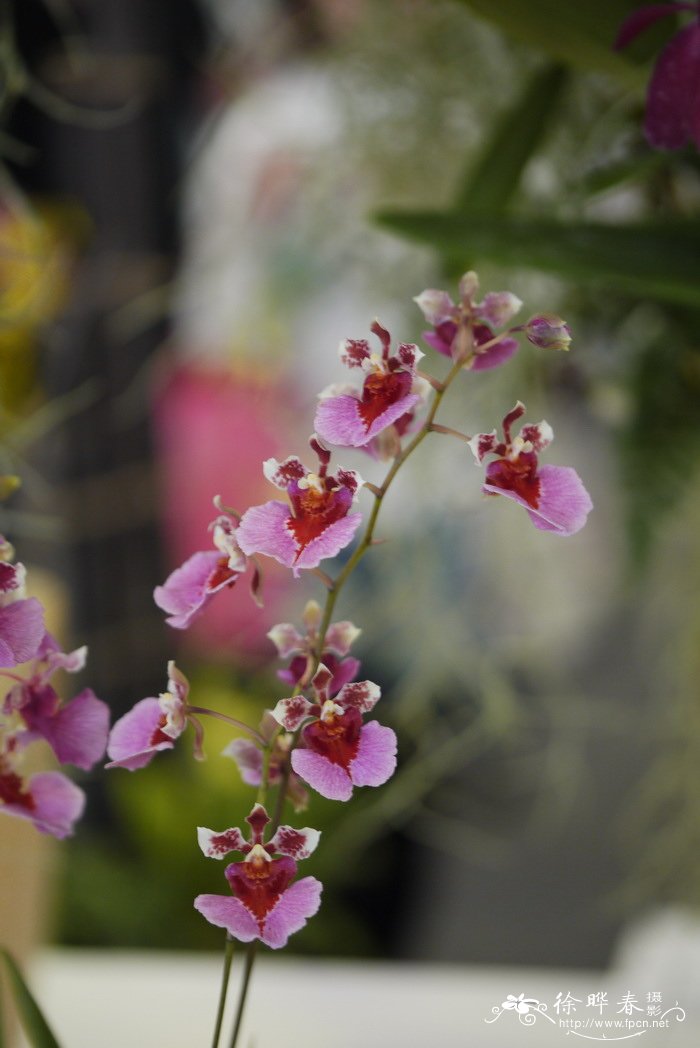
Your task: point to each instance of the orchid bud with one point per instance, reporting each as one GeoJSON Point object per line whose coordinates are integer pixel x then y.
{"type": "Point", "coordinates": [548, 331]}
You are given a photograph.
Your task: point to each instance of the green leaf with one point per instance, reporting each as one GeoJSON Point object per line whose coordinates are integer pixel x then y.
{"type": "Point", "coordinates": [492, 181]}
{"type": "Point", "coordinates": [35, 1026]}
{"type": "Point", "coordinates": [660, 444]}
{"type": "Point", "coordinates": [649, 260]}
{"type": "Point", "coordinates": [635, 169]}
{"type": "Point", "coordinates": [580, 34]}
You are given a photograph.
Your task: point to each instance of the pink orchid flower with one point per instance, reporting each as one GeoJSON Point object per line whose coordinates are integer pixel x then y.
{"type": "Point", "coordinates": [554, 496]}
{"type": "Point", "coordinates": [467, 326]}
{"type": "Point", "coordinates": [390, 393]}
{"type": "Point", "coordinates": [315, 524]}
{"type": "Point", "coordinates": [265, 904]}
{"type": "Point", "coordinates": [301, 648]}
{"type": "Point", "coordinates": [77, 730]}
{"type": "Point", "coordinates": [21, 618]}
{"type": "Point", "coordinates": [48, 799]}
{"type": "Point", "coordinates": [673, 97]}
{"type": "Point", "coordinates": [151, 725]}
{"type": "Point", "coordinates": [339, 752]}
{"type": "Point", "coordinates": [187, 590]}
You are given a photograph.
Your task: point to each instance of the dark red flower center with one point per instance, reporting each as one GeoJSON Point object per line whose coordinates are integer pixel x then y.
{"type": "Point", "coordinates": [221, 574]}
{"type": "Point", "coordinates": [8, 577]}
{"type": "Point", "coordinates": [260, 883]}
{"type": "Point", "coordinates": [314, 511]}
{"type": "Point", "coordinates": [380, 391]}
{"type": "Point", "coordinates": [519, 476]}
{"type": "Point", "coordinates": [159, 735]}
{"type": "Point", "coordinates": [12, 791]}
{"type": "Point", "coordinates": [337, 739]}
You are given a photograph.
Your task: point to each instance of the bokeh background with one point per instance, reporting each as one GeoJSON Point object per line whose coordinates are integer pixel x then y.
{"type": "Point", "coordinates": [198, 201]}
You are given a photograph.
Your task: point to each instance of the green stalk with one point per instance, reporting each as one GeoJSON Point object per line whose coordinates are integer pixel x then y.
{"type": "Point", "coordinates": [228, 957]}
{"type": "Point", "coordinates": [249, 962]}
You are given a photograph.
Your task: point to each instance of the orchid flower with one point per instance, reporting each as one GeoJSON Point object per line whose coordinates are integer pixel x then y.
{"type": "Point", "coordinates": [338, 751]}
{"type": "Point", "coordinates": [554, 496]}
{"type": "Point", "coordinates": [316, 522]}
{"type": "Point", "coordinates": [264, 904]}
{"type": "Point", "coordinates": [390, 392]}
{"type": "Point", "coordinates": [77, 730]}
{"type": "Point", "coordinates": [468, 327]}
{"type": "Point", "coordinates": [151, 725]}
{"type": "Point", "coordinates": [187, 590]}
{"type": "Point", "coordinates": [337, 642]}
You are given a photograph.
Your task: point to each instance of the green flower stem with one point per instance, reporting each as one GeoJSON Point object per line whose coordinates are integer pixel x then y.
{"type": "Point", "coordinates": [265, 774]}
{"type": "Point", "coordinates": [204, 712]}
{"type": "Point", "coordinates": [228, 957]}
{"type": "Point", "coordinates": [249, 962]}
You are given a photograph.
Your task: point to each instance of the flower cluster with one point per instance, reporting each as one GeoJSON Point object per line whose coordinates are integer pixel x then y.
{"type": "Point", "coordinates": [31, 711]}
{"type": "Point", "coordinates": [321, 737]}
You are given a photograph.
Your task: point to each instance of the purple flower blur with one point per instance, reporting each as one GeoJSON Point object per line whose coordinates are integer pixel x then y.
{"type": "Point", "coordinates": [673, 97]}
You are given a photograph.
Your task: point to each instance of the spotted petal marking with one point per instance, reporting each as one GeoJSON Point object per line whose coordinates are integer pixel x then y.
{"type": "Point", "coordinates": [482, 444]}
{"type": "Point", "coordinates": [361, 695]}
{"type": "Point", "coordinates": [297, 844]}
{"type": "Point", "coordinates": [282, 474]}
{"type": "Point", "coordinates": [350, 479]}
{"type": "Point", "coordinates": [291, 712]}
{"type": "Point", "coordinates": [216, 845]}
{"type": "Point", "coordinates": [321, 682]}
{"type": "Point", "coordinates": [539, 434]}
{"type": "Point", "coordinates": [353, 351]}
{"type": "Point", "coordinates": [409, 354]}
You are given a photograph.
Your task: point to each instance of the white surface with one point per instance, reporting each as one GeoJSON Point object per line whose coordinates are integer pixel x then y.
{"type": "Point", "coordinates": [100, 999]}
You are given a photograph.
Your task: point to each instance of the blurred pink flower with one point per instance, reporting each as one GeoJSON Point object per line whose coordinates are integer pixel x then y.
{"type": "Point", "coordinates": [213, 427]}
